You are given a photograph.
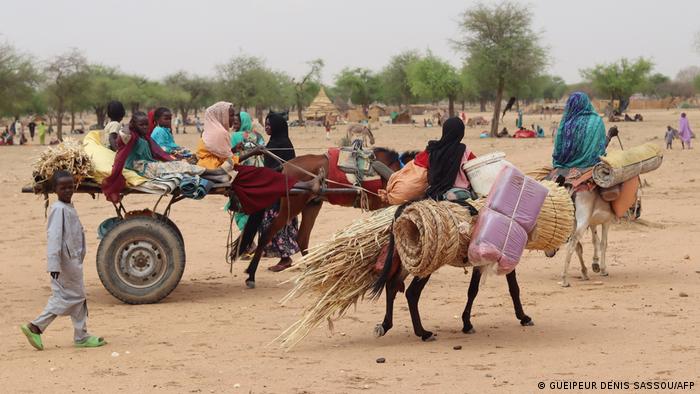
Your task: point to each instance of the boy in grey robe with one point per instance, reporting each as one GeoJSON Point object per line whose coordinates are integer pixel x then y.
{"type": "Point", "coordinates": [65, 254]}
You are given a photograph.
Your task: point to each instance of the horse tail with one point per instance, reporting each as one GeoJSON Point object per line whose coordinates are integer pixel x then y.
{"type": "Point", "coordinates": [384, 276]}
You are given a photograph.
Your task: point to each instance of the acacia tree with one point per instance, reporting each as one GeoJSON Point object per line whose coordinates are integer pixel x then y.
{"type": "Point", "coordinates": [18, 79]}
{"type": "Point", "coordinates": [199, 89]}
{"type": "Point", "coordinates": [360, 85]}
{"type": "Point", "coordinates": [619, 80]}
{"type": "Point", "coordinates": [250, 84]}
{"type": "Point", "coordinates": [501, 48]}
{"type": "Point", "coordinates": [67, 74]}
{"type": "Point", "coordinates": [434, 79]}
{"type": "Point", "coordinates": [308, 86]}
{"type": "Point", "coordinates": [393, 79]}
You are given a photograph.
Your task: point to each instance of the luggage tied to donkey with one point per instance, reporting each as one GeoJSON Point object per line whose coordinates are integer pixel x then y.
{"type": "Point", "coordinates": [619, 166]}
{"type": "Point", "coordinates": [501, 230]}
{"type": "Point", "coordinates": [357, 162]}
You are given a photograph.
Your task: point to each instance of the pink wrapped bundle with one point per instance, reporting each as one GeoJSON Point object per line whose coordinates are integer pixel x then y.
{"type": "Point", "coordinates": [517, 196]}
{"type": "Point", "coordinates": [497, 238]}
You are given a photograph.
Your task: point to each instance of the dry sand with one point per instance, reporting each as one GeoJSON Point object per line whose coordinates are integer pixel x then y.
{"type": "Point", "coordinates": [212, 334]}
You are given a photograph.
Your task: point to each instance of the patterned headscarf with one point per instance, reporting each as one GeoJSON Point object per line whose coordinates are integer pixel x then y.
{"type": "Point", "coordinates": [580, 139]}
{"type": "Point", "coordinates": [215, 135]}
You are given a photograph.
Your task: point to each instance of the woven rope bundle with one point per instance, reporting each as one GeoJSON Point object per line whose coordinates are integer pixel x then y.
{"type": "Point", "coordinates": [430, 234]}
{"type": "Point", "coordinates": [555, 222]}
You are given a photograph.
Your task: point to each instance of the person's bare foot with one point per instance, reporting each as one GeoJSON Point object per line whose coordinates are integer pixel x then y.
{"type": "Point", "coordinates": [282, 265]}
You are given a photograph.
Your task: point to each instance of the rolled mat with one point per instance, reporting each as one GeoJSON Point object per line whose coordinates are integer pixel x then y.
{"type": "Point", "coordinates": [430, 234]}
{"type": "Point", "coordinates": [619, 166]}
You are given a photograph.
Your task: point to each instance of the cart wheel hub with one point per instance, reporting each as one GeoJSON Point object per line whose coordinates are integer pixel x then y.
{"type": "Point", "coordinates": [141, 263]}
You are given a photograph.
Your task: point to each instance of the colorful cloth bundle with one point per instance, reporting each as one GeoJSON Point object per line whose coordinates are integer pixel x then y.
{"type": "Point", "coordinates": [502, 227]}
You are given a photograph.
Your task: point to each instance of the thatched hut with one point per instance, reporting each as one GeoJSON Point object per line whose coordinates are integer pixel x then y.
{"type": "Point", "coordinates": [321, 107]}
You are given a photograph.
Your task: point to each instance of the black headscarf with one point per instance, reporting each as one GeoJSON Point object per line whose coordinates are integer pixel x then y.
{"type": "Point", "coordinates": [279, 139]}
{"type": "Point", "coordinates": [445, 158]}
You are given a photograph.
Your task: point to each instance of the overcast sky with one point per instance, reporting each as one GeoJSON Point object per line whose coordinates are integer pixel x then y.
{"type": "Point", "coordinates": [155, 38]}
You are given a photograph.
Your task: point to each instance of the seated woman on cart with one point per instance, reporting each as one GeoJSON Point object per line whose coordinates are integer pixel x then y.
{"type": "Point", "coordinates": [255, 188]}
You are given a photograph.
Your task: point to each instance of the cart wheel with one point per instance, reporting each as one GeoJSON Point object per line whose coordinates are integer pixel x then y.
{"type": "Point", "coordinates": [141, 260]}
{"type": "Point", "coordinates": [172, 224]}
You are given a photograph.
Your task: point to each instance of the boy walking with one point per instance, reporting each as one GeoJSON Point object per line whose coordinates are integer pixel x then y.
{"type": "Point", "coordinates": [65, 254]}
{"type": "Point", "coordinates": [671, 133]}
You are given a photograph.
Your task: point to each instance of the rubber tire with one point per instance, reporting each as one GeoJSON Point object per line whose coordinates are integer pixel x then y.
{"type": "Point", "coordinates": [165, 220]}
{"type": "Point", "coordinates": [172, 224]}
{"type": "Point", "coordinates": [156, 231]}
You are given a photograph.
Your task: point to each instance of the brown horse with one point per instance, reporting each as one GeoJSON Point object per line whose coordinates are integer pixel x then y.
{"type": "Point", "coordinates": [308, 205]}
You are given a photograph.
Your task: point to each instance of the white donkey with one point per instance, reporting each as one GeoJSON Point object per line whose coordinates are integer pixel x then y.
{"type": "Point", "coordinates": [591, 211]}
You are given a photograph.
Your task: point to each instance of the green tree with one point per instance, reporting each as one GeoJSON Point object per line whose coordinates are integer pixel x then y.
{"type": "Point", "coordinates": [360, 85]}
{"type": "Point", "coordinates": [68, 82]}
{"type": "Point", "coordinates": [308, 86]}
{"type": "Point", "coordinates": [621, 79]}
{"type": "Point", "coordinates": [199, 92]}
{"type": "Point", "coordinates": [501, 48]}
{"type": "Point", "coordinates": [249, 83]}
{"type": "Point", "coordinates": [393, 79]}
{"type": "Point", "coordinates": [434, 79]}
{"type": "Point", "coordinates": [19, 80]}
{"type": "Point", "coordinates": [696, 83]}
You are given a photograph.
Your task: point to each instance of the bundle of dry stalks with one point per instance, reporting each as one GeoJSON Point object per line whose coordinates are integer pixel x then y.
{"type": "Point", "coordinates": [69, 156]}
{"type": "Point", "coordinates": [430, 234]}
{"type": "Point", "coordinates": [340, 271]}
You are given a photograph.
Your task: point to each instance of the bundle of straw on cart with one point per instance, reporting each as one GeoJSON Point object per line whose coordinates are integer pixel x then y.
{"type": "Point", "coordinates": [69, 156]}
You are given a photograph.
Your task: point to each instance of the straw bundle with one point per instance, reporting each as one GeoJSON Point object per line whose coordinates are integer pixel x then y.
{"type": "Point", "coordinates": [555, 222]}
{"type": "Point", "coordinates": [430, 234]}
{"type": "Point", "coordinates": [540, 173]}
{"type": "Point", "coordinates": [340, 271]}
{"type": "Point", "coordinates": [69, 156]}
{"type": "Point", "coordinates": [605, 175]}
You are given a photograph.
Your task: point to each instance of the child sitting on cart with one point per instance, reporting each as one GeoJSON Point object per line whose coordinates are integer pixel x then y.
{"type": "Point", "coordinates": [256, 188]}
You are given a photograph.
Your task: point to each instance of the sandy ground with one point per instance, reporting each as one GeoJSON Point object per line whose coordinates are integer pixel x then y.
{"type": "Point", "coordinates": [213, 335]}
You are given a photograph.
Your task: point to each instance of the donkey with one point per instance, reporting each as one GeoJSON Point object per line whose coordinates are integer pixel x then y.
{"type": "Point", "coordinates": [591, 211]}
{"type": "Point", "coordinates": [395, 284]}
{"type": "Point", "coordinates": [308, 205]}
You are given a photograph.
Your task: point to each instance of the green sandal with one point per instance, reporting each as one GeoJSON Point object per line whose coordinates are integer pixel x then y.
{"type": "Point", "coordinates": [91, 341]}
{"type": "Point", "coordinates": [34, 339]}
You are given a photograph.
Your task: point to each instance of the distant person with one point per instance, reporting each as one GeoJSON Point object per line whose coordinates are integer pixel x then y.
{"type": "Point", "coordinates": [66, 250]}
{"type": "Point", "coordinates": [671, 133]}
{"type": "Point", "coordinates": [31, 126]}
{"type": "Point", "coordinates": [685, 132]}
{"type": "Point", "coordinates": [19, 131]}
{"type": "Point", "coordinates": [519, 120]}
{"type": "Point", "coordinates": [327, 126]}
{"type": "Point", "coordinates": [178, 123]}
{"type": "Point", "coordinates": [199, 125]}
{"type": "Point", "coordinates": [115, 112]}
{"type": "Point", "coordinates": [41, 130]}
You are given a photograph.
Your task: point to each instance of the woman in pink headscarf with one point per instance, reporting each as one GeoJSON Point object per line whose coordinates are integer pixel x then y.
{"type": "Point", "coordinates": [215, 147]}
{"type": "Point", "coordinates": [255, 188]}
{"type": "Point", "coordinates": [685, 132]}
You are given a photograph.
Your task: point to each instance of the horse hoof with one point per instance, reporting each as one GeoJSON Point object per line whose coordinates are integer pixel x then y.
{"type": "Point", "coordinates": [528, 323]}
{"type": "Point", "coordinates": [585, 277]}
{"type": "Point", "coordinates": [470, 330]}
{"type": "Point", "coordinates": [564, 284]}
{"type": "Point", "coordinates": [250, 284]}
{"type": "Point", "coordinates": [596, 267]}
{"type": "Point", "coordinates": [603, 273]}
{"type": "Point", "coordinates": [428, 337]}
{"type": "Point", "coordinates": [379, 331]}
